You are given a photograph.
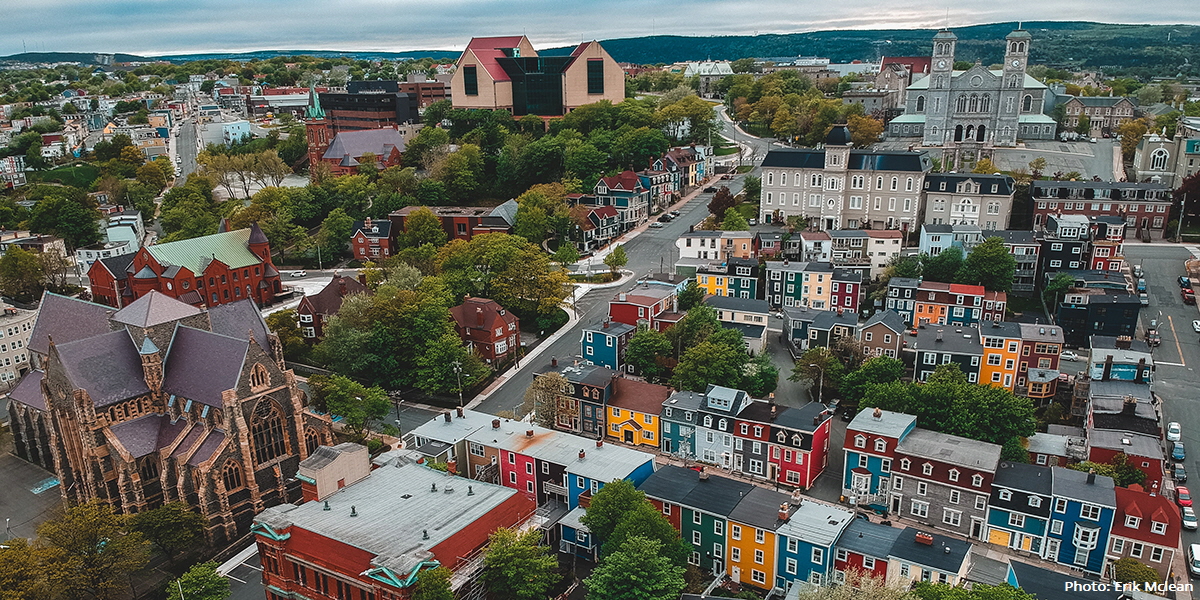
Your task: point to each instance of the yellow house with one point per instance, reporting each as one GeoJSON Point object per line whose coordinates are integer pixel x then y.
{"type": "Point", "coordinates": [817, 283]}
{"type": "Point", "coordinates": [751, 537]}
{"type": "Point", "coordinates": [632, 412]}
{"type": "Point", "coordinates": [713, 284]}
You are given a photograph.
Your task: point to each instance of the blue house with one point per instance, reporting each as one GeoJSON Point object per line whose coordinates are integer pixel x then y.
{"type": "Point", "coordinates": [871, 440]}
{"type": "Point", "coordinates": [679, 416]}
{"type": "Point", "coordinates": [806, 543]}
{"type": "Point", "coordinates": [1044, 583]}
{"type": "Point", "coordinates": [1018, 513]}
{"type": "Point", "coordinates": [605, 345]}
{"type": "Point", "coordinates": [1084, 504]}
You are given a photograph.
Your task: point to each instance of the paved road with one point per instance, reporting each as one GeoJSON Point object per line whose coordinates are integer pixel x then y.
{"type": "Point", "coordinates": [185, 146]}
{"type": "Point", "coordinates": [1177, 359]}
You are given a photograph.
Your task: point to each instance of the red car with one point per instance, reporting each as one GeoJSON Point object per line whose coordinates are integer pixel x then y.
{"type": "Point", "coordinates": [1182, 496]}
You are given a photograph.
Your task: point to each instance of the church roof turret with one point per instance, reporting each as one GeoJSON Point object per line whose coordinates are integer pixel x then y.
{"type": "Point", "coordinates": [314, 110]}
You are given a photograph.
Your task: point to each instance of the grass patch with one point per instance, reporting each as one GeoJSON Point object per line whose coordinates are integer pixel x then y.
{"type": "Point", "coordinates": [594, 278]}
{"type": "Point", "coordinates": [749, 211]}
{"type": "Point", "coordinates": [725, 150]}
{"type": "Point", "coordinates": [745, 169]}
{"type": "Point", "coordinates": [80, 175]}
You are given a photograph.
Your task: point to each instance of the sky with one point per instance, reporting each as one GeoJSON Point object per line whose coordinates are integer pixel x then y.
{"type": "Point", "coordinates": [161, 27]}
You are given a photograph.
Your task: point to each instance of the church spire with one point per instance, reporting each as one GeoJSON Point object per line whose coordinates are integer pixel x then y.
{"type": "Point", "coordinates": [314, 110]}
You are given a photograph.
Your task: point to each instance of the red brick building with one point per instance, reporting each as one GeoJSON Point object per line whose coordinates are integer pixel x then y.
{"type": "Point", "coordinates": [370, 538]}
{"type": "Point", "coordinates": [464, 222]}
{"type": "Point", "coordinates": [372, 240]}
{"type": "Point", "coordinates": [486, 327]}
{"type": "Point", "coordinates": [225, 267]}
{"type": "Point", "coordinates": [313, 311]}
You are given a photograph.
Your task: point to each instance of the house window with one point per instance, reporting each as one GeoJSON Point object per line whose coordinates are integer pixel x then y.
{"type": "Point", "coordinates": [595, 76]}
{"type": "Point", "coordinates": [880, 445]}
{"type": "Point", "coordinates": [905, 464]}
{"type": "Point", "coordinates": [735, 531]}
{"type": "Point", "coordinates": [977, 480]}
{"type": "Point", "coordinates": [1005, 495]}
{"type": "Point", "coordinates": [1118, 546]}
{"type": "Point", "coordinates": [1056, 527]}
{"type": "Point", "coordinates": [1016, 520]}
{"type": "Point", "coordinates": [1158, 528]}
{"type": "Point", "coordinates": [953, 474]}
{"type": "Point", "coordinates": [759, 557]}
{"type": "Point", "coordinates": [927, 469]}
{"type": "Point", "coordinates": [818, 556]}
{"type": "Point", "coordinates": [860, 441]}
{"type": "Point", "coordinates": [920, 508]}
{"type": "Point", "coordinates": [1060, 505]}
{"type": "Point", "coordinates": [1090, 512]}
{"type": "Point", "coordinates": [470, 81]}
{"type": "Point", "coordinates": [922, 488]}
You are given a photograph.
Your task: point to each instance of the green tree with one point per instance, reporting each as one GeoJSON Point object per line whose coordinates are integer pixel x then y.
{"type": "Point", "coordinates": [709, 363]}
{"type": "Point", "coordinates": [566, 254]}
{"type": "Point", "coordinates": [1084, 126]}
{"type": "Point", "coordinates": [721, 202]}
{"type": "Point", "coordinates": [864, 130]}
{"type": "Point", "coordinates": [637, 570]}
{"type": "Point", "coordinates": [646, 348]}
{"type": "Point", "coordinates": [752, 188]}
{"type": "Point", "coordinates": [201, 582]}
{"type": "Point", "coordinates": [283, 324]}
{"type": "Point", "coordinates": [93, 549]}
{"type": "Point", "coordinates": [1055, 288]}
{"type": "Point", "coordinates": [646, 521]}
{"type": "Point", "coordinates": [75, 220]}
{"type": "Point", "coordinates": [1122, 472]}
{"type": "Point", "coordinates": [435, 366]}
{"type": "Point", "coordinates": [1129, 570]}
{"type": "Point", "coordinates": [21, 273]}
{"type": "Point", "coordinates": [819, 367]}
{"type": "Point", "coordinates": [944, 267]}
{"type": "Point", "coordinates": [985, 165]}
{"type": "Point", "coordinates": [421, 226]}
{"type": "Point", "coordinates": [1037, 167]}
{"type": "Point", "coordinates": [616, 259]}
{"type": "Point", "coordinates": [940, 591]}
{"type": "Point", "coordinates": [691, 296]}
{"type": "Point", "coordinates": [171, 527]}
{"type": "Point", "coordinates": [357, 404]}
{"type": "Point", "coordinates": [989, 264]}
{"type": "Point", "coordinates": [433, 584]}
{"type": "Point", "coordinates": [760, 376]}
{"type": "Point", "coordinates": [609, 505]}
{"type": "Point", "coordinates": [517, 567]}
{"type": "Point", "coordinates": [875, 371]}
{"type": "Point", "coordinates": [334, 234]}
{"type": "Point", "coordinates": [904, 266]}
{"type": "Point", "coordinates": [22, 572]}
{"type": "Point", "coordinates": [734, 221]}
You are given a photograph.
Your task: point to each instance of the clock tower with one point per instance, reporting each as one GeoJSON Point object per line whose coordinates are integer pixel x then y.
{"type": "Point", "coordinates": [941, 75]}
{"type": "Point", "coordinates": [1012, 87]}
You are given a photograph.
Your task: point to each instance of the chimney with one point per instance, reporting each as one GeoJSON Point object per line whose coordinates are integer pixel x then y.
{"type": "Point", "coordinates": [1124, 342]}
{"type": "Point", "coordinates": [783, 511]}
{"type": "Point", "coordinates": [774, 411]}
{"type": "Point", "coordinates": [995, 324]}
{"type": "Point", "coordinates": [446, 416]}
{"type": "Point", "coordinates": [367, 223]}
{"type": "Point", "coordinates": [362, 278]}
{"type": "Point", "coordinates": [939, 335]}
{"type": "Point", "coordinates": [479, 316]}
{"type": "Point", "coordinates": [1140, 368]}
{"type": "Point", "coordinates": [817, 420]}
{"type": "Point", "coordinates": [582, 454]}
{"type": "Point", "coordinates": [599, 443]}
{"type": "Point", "coordinates": [606, 324]}
{"type": "Point", "coordinates": [1108, 362]}
{"type": "Point", "coordinates": [528, 433]}
{"type": "Point", "coordinates": [878, 414]}
{"type": "Point", "coordinates": [924, 538]}
{"type": "Point", "coordinates": [703, 476]}
{"type": "Point", "coordinates": [1091, 477]}
{"type": "Point", "coordinates": [341, 287]}
{"type": "Point", "coordinates": [622, 297]}
{"type": "Point", "coordinates": [495, 423]}
{"type": "Point", "coordinates": [1129, 405]}
{"type": "Point", "coordinates": [459, 410]}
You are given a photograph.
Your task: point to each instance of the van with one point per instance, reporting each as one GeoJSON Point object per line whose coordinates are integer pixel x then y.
{"type": "Point", "coordinates": [1193, 559]}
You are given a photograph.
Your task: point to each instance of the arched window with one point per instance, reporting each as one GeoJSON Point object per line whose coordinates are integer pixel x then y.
{"type": "Point", "coordinates": [1020, 46]}
{"type": "Point", "coordinates": [232, 476]}
{"type": "Point", "coordinates": [974, 103]}
{"type": "Point", "coordinates": [266, 430]}
{"type": "Point", "coordinates": [920, 103]}
{"type": "Point", "coordinates": [707, 421]}
{"type": "Point", "coordinates": [259, 377]}
{"type": "Point", "coordinates": [985, 103]}
{"type": "Point", "coordinates": [312, 441]}
{"type": "Point", "coordinates": [770, 178]}
{"type": "Point", "coordinates": [1158, 159]}
{"type": "Point", "coordinates": [962, 104]}
{"type": "Point", "coordinates": [1027, 103]}
{"type": "Point", "coordinates": [148, 468]}
{"type": "Point", "coordinates": [783, 178]}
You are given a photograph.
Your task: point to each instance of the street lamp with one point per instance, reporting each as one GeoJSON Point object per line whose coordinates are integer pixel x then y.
{"type": "Point", "coordinates": [457, 365]}
{"type": "Point", "coordinates": [821, 382]}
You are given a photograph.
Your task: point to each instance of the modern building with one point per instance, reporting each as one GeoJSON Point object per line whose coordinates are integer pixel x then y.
{"type": "Point", "coordinates": [369, 105]}
{"type": "Point", "coordinates": [315, 310]}
{"type": "Point", "coordinates": [124, 233]}
{"type": "Point", "coordinates": [164, 402]}
{"type": "Point", "coordinates": [487, 329]}
{"type": "Point", "coordinates": [507, 73]}
{"type": "Point", "coordinates": [969, 199]}
{"type": "Point", "coordinates": [1085, 312]}
{"type": "Point", "coordinates": [228, 266]}
{"type": "Point", "coordinates": [840, 188]}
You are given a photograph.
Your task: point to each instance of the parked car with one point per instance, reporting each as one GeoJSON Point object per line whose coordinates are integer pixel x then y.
{"type": "Point", "coordinates": [1196, 325]}
{"type": "Point", "coordinates": [1153, 325]}
{"type": "Point", "coordinates": [664, 218]}
{"type": "Point", "coordinates": [1144, 299]}
{"type": "Point", "coordinates": [1183, 497]}
{"type": "Point", "coordinates": [727, 176]}
{"type": "Point", "coordinates": [1193, 560]}
{"type": "Point", "coordinates": [1174, 432]}
{"type": "Point", "coordinates": [1184, 281]}
{"type": "Point", "coordinates": [1178, 452]}
{"type": "Point", "coordinates": [299, 273]}
{"type": "Point", "coordinates": [1137, 271]}
{"type": "Point", "coordinates": [1069, 356]}
{"type": "Point", "coordinates": [753, 222]}
{"type": "Point", "coordinates": [1153, 339]}
{"type": "Point", "coordinates": [1189, 297]}
{"type": "Point", "coordinates": [1188, 516]}
{"type": "Point", "coordinates": [656, 225]}
{"type": "Point", "coordinates": [710, 190]}
{"type": "Point", "coordinates": [675, 213]}
{"type": "Point", "coordinates": [1178, 473]}
{"type": "Point", "coordinates": [1141, 285]}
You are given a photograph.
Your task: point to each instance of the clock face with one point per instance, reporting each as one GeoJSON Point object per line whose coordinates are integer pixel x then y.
{"type": "Point", "coordinates": [941, 64]}
{"type": "Point", "coordinates": [1016, 63]}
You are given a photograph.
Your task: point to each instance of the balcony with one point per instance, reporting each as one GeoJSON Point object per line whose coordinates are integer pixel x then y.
{"type": "Point", "coordinates": [554, 488]}
{"type": "Point", "coordinates": [852, 260]}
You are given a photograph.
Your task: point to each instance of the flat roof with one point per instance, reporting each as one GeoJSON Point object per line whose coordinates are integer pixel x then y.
{"type": "Point", "coordinates": [888, 424]}
{"type": "Point", "coordinates": [950, 449]}
{"type": "Point", "coordinates": [457, 429]}
{"type": "Point", "coordinates": [606, 463]}
{"type": "Point", "coordinates": [817, 523]}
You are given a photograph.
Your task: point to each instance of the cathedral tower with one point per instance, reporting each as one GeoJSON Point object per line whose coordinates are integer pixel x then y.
{"type": "Point", "coordinates": [1012, 91]}
{"type": "Point", "coordinates": [937, 102]}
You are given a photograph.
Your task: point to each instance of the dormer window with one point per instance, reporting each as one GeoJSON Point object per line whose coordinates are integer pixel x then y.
{"type": "Point", "coordinates": [782, 437]}
{"type": "Point", "coordinates": [880, 445]}
{"type": "Point", "coordinates": [860, 441]}
{"type": "Point", "coordinates": [722, 426]}
{"type": "Point", "coordinates": [707, 421]}
{"type": "Point", "coordinates": [953, 474]}
{"type": "Point", "coordinates": [1035, 502]}
{"type": "Point", "coordinates": [1005, 495]}
{"type": "Point", "coordinates": [1132, 522]}
{"type": "Point", "coordinates": [977, 480]}
{"type": "Point", "coordinates": [1158, 528]}
{"type": "Point", "coordinates": [927, 469]}
{"type": "Point", "coordinates": [905, 464]}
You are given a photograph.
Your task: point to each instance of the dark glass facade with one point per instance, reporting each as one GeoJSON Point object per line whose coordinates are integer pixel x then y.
{"type": "Point", "coordinates": [537, 84]}
{"type": "Point", "coordinates": [595, 76]}
{"type": "Point", "coordinates": [470, 81]}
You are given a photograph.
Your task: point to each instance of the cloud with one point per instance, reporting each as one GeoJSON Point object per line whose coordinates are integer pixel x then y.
{"type": "Point", "coordinates": [152, 27]}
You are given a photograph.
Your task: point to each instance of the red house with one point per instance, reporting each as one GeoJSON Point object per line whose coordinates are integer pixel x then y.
{"type": "Point", "coordinates": [795, 440]}
{"type": "Point", "coordinates": [643, 303]}
{"type": "Point", "coordinates": [214, 269]}
{"type": "Point", "coordinates": [486, 327]}
{"type": "Point", "coordinates": [1145, 527]}
{"type": "Point", "coordinates": [371, 538]}
{"type": "Point", "coordinates": [372, 240]}
{"type": "Point", "coordinates": [864, 547]}
{"type": "Point", "coordinates": [313, 311]}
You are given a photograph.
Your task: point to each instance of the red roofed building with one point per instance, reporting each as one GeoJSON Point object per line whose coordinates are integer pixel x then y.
{"type": "Point", "coordinates": [313, 311]}
{"type": "Point", "coordinates": [1146, 528]}
{"type": "Point", "coordinates": [372, 239]}
{"type": "Point", "coordinates": [633, 411]}
{"type": "Point", "coordinates": [643, 303]}
{"type": "Point", "coordinates": [486, 327]}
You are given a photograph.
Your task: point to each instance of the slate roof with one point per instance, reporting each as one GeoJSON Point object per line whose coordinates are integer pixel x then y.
{"type": "Point", "coordinates": [229, 247]}
{"type": "Point", "coordinates": [29, 390]}
{"type": "Point", "coordinates": [384, 227]}
{"type": "Point", "coordinates": [868, 539]}
{"type": "Point", "coordinates": [107, 366]}
{"type": "Point", "coordinates": [506, 211]}
{"type": "Point", "coordinates": [208, 447]}
{"type": "Point", "coordinates": [759, 508]}
{"type": "Point", "coordinates": [1024, 477]}
{"type": "Point", "coordinates": [329, 300]}
{"type": "Point", "coordinates": [67, 319]}
{"type": "Point", "coordinates": [201, 364]}
{"type": "Point", "coordinates": [139, 436]}
{"type": "Point", "coordinates": [1149, 507]}
{"type": "Point", "coordinates": [638, 396]}
{"type": "Point", "coordinates": [238, 320]}
{"type": "Point", "coordinates": [118, 265]}
{"type": "Point", "coordinates": [860, 160]}
{"type": "Point", "coordinates": [1073, 484]}
{"type": "Point", "coordinates": [357, 143]}
{"type": "Point", "coordinates": [1004, 184]}
{"type": "Point", "coordinates": [934, 556]}
{"type": "Point", "coordinates": [888, 318]}
{"type": "Point", "coordinates": [153, 309]}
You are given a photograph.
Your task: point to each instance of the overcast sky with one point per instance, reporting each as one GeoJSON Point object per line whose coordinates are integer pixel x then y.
{"type": "Point", "coordinates": [151, 27]}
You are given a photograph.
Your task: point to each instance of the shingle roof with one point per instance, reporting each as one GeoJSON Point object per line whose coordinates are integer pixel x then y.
{"type": "Point", "coordinates": [759, 508]}
{"type": "Point", "coordinates": [67, 319]}
{"type": "Point", "coordinates": [1044, 583]}
{"type": "Point", "coordinates": [959, 339]}
{"type": "Point", "coordinates": [1073, 484]}
{"type": "Point", "coordinates": [29, 390]}
{"type": "Point", "coordinates": [934, 556]}
{"type": "Point", "coordinates": [153, 309]}
{"type": "Point", "coordinates": [738, 304]}
{"type": "Point", "coordinates": [828, 319]}
{"type": "Point", "coordinates": [212, 442]}
{"type": "Point", "coordinates": [107, 366]}
{"type": "Point", "coordinates": [238, 320]}
{"type": "Point", "coordinates": [868, 539]}
{"type": "Point", "coordinates": [329, 300]}
{"type": "Point", "coordinates": [1024, 477]}
{"type": "Point", "coordinates": [201, 364]}
{"type": "Point", "coordinates": [118, 265]}
{"type": "Point", "coordinates": [195, 253]}
{"type": "Point", "coordinates": [357, 143]}
{"type": "Point", "coordinates": [638, 396]}
{"type": "Point", "coordinates": [888, 318]}
{"type": "Point", "coordinates": [139, 436]}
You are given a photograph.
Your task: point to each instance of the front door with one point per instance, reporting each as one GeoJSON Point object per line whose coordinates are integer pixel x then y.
{"type": "Point", "coordinates": [977, 529]}
{"type": "Point", "coordinates": [628, 436]}
{"type": "Point", "coordinates": [896, 504]}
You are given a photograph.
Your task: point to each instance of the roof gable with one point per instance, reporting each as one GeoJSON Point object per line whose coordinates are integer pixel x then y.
{"type": "Point", "coordinates": [106, 366]}
{"type": "Point", "coordinates": [200, 365]}
{"type": "Point", "coordinates": [155, 308]}
{"type": "Point", "coordinates": [67, 319]}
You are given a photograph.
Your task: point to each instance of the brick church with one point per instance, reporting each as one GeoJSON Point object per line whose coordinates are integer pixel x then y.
{"type": "Point", "coordinates": [162, 401]}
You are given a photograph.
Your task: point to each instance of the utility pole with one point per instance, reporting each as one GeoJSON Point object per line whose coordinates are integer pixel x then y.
{"type": "Point", "coordinates": [458, 374]}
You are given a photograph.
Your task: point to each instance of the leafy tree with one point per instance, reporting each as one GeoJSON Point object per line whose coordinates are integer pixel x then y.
{"type": "Point", "coordinates": [171, 527]}
{"type": "Point", "coordinates": [709, 363]}
{"type": "Point", "coordinates": [944, 267]}
{"type": "Point", "coordinates": [752, 188]}
{"type": "Point", "coordinates": [760, 376]}
{"type": "Point", "coordinates": [517, 567]}
{"type": "Point", "coordinates": [1061, 283]}
{"type": "Point", "coordinates": [357, 404]}
{"type": "Point", "coordinates": [985, 165]}
{"type": "Point", "coordinates": [940, 591]}
{"type": "Point", "coordinates": [875, 371]}
{"type": "Point", "coordinates": [425, 147]}
{"type": "Point", "coordinates": [75, 220]}
{"type": "Point", "coordinates": [566, 254]}
{"type": "Point", "coordinates": [637, 570]}
{"type": "Point", "coordinates": [21, 273]}
{"type": "Point", "coordinates": [904, 266]}
{"type": "Point", "coordinates": [151, 175]}
{"type": "Point", "coordinates": [646, 348]}
{"type": "Point", "coordinates": [541, 399]}
{"type": "Point", "coordinates": [334, 235]}
{"type": "Point", "coordinates": [505, 268]}
{"type": "Point", "coordinates": [22, 572]}
{"type": "Point", "coordinates": [860, 585]}
{"type": "Point", "coordinates": [1037, 166]}
{"type": "Point", "coordinates": [283, 324]}
{"type": "Point", "coordinates": [734, 221]}
{"type": "Point", "coordinates": [646, 521]}
{"type": "Point", "coordinates": [435, 366]}
{"type": "Point", "coordinates": [92, 550]}
{"type": "Point", "coordinates": [1120, 470]}
{"type": "Point", "coordinates": [616, 259]}
{"type": "Point", "coordinates": [1084, 126]}
{"type": "Point", "coordinates": [691, 296]}
{"type": "Point", "coordinates": [1129, 570]}
{"type": "Point", "coordinates": [423, 227]}
{"type": "Point", "coordinates": [201, 582]}
{"type": "Point", "coordinates": [864, 130]}
{"type": "Point", "coordinates": [609, 505]}
{"type": "Point", "coordinates": [637, 147]}
{"type": "Point", "coordinates": [826, 374]}
{"type": "Point", "coordinates": [989, 264]}
{"type": "Point", "coordinates": [1131, 133]}
{"type": "Point", "coordinates": [433, 584]}
{"type": "Point", "coordinates": [721, 202]}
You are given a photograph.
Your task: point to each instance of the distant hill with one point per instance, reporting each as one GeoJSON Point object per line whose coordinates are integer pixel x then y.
{"type": "Point", "coordinates": [1142, 50]}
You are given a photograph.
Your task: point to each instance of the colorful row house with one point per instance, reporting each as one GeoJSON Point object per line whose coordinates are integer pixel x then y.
{"type": "Point", "coordinates": [654, 305]}
{"type": "Point", "coordinates": [817, 285]}
{"type": "Point", "coordinates": [734, 277]}
{"type": "Point", "coordinates": [606, 345]}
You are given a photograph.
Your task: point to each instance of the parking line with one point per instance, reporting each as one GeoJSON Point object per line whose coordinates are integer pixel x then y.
{"type": "Point", "coordinates": [1178, 348]}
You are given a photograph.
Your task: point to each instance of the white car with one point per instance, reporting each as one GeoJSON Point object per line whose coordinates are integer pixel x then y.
{"type": "Point", "coordinates": [1189, 517]}
{"type": "Point", "coordinates": [1174, 432]}
{"type": "Point", "coordinates": [1069, 356]}
{"type": "Point", "coordinates": [1196, 326]}
{"type": "Point", "coordinates": [299, 273]}
{"type": "Point", "coordinates": [656, 225]}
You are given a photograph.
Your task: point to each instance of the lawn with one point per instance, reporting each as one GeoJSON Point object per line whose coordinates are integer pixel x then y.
{"type": "Point", "coordinates": [80, 175]}
{"type": "Point", "coordinates": [750, 211]}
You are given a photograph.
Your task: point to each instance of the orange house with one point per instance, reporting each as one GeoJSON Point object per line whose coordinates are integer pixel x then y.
{"type": "Point", "coordinates": [1001, 354]}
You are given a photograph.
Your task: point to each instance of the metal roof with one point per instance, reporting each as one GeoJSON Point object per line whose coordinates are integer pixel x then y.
{"type": "Point", "coordinates": [1069, 483]}
{"type": "Point", "coordinates": [888, 424]}
{"type": "Point", "coordinates": [606, 463]}
{"type": "Point", "coordinates": [229, 247]}
{"type": "Point", "coordinates": [950, 449]}
{"type": "Point", "coordinates": [454, 430]}
{"type": "Point", "coordinates": [816, 523]}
